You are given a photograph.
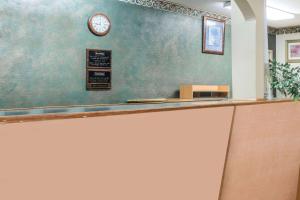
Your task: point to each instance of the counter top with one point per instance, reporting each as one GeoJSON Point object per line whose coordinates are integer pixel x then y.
{"type": "Point", "coordinates": [53, 113]}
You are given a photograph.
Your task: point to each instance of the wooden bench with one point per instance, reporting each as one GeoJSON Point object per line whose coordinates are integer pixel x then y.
{"type": "Point", "coordinates": [218, 91]}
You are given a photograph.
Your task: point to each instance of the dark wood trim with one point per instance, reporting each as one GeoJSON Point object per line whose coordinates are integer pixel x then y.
{"type": "Point", "coordinates": [92, 28]}
{"type": "Point", "coordinates": [44, 117]}
{"type": "Point", "coordinates": [298, 190]}
{"type": "Point", "coordinates": [204, 22]}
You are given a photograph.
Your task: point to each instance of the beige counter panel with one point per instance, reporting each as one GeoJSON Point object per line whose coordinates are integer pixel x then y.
{"type": "Point", "coordinates": [173, 155]}
{"type": "Point", "coordinates": [264, 154]}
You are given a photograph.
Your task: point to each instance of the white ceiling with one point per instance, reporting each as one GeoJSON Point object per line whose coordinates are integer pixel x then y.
{"type": "Point", "coordinates": [216, 6]}
{"type": "Point", "coordinates": [292, 6]}
{"type": "Point", "coordinates": [207, 5]}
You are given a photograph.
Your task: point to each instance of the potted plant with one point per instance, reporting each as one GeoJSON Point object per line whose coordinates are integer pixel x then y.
{"type": "Point", "coordinates": [285, 79]}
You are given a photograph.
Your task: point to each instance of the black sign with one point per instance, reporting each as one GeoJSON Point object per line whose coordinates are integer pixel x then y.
{"type": "Point", "coordinates": [98, 79]}
{"type": "Point", "coordinates": [98, 58]}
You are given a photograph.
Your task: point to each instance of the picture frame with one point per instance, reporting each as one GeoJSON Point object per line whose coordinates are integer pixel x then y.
{"type": "Point", "coordinates": [213, 36]}
{"type": "Point", "coordinates": [293, 51]}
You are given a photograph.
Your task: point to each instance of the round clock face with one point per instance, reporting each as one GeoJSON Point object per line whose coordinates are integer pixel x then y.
{"type": "Point", "coordinates": [99, 24]}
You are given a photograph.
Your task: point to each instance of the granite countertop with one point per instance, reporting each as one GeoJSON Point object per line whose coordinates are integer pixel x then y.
{"type": "Point", "coordinates": [50, 113]}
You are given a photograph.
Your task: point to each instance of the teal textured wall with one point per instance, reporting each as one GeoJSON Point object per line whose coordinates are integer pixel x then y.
{"type": "Point", "coordinates": [43, 42]}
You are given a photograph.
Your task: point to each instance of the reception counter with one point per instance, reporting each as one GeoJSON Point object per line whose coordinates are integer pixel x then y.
{"type": "Point", "coordinates": [226, 150]}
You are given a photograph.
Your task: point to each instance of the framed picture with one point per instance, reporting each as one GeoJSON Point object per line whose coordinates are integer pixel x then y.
{"type": "Point", "coordinates": [213, 36]}
{"type": "Point", "coordinates": [293, 51]}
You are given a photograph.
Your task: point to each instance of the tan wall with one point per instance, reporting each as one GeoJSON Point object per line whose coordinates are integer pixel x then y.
{"type": "Point", "coordinates": [165, 155]}
{"type": "Point", "coordinates": [264, 154]}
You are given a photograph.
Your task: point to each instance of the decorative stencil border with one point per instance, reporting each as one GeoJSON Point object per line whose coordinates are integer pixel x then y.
{"type": "Point", "coordinates": [176, 8]}
{"type": "Point", "coordinates": [272, 31]}
{"type": "Point", "coordinates": [286, 30]}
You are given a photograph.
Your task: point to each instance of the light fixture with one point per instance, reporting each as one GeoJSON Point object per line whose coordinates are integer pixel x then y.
{"type": "Point", "coordinates": [275, 14]}
{"type": "Point", "coordinates": [227, 4]}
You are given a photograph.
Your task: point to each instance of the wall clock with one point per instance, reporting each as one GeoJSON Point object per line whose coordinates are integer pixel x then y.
{"type": "Point", "coordinates": [99, 24]}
